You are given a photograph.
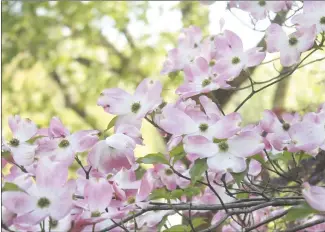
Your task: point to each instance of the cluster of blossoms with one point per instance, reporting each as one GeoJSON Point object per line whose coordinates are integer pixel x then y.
{"type": "Point", "coordinates": [203, 143]}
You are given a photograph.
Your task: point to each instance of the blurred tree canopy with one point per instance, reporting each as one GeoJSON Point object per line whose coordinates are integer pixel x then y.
{"type": "Point", "coordinates": [58, 56]}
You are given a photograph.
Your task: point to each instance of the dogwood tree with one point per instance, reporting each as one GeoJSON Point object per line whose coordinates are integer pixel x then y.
{"type": "Point", "coordinates": [213, 165]}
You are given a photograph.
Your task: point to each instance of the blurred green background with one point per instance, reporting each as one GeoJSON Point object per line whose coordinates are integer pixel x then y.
{"type": "Point", "coordinates": [58, 56]}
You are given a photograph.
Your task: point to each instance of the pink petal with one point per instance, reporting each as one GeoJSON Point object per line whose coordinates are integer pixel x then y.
{"type": "Point", "coordinates": [234, 41]}
{"type": "Point", "coordinates": [254, 57]}
{"type": "Point", "coordinates": [18, 202]}
{"type": "Point", "coordinates": [200, 145]}
{"type": "Point", "coordinates": [115, 101]}
{"type": "Point", "coordinates": [315, 196]}
{"type": "Point", "coordinates": [275, 36]}
{"type": "Point", "coordinates": [32, 218]}
{"type": "Point", "coordinates": [246, 144]}
{"type": "Point", "coordinates": [22, 129]}
{"type": "Point", "coordinates": [225, 162]}
{"type": "Point", "coordinates": [98, 194]}
{"type": "Point", "coordinates": [210, 108]}
{"type": "Point", "coordinates": [57, 129]}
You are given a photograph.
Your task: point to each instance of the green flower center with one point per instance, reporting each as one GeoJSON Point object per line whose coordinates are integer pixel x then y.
{"type": "Point", "coordinates": [43, 202]}
{"type": "Point", "coordinates": [212, 62]}
{"type": "Point", "coordinates": [203, 127]}
{"type": "Point", "coordinates": [262, 2]}
{"type": "Point", "coordinates": [168, 172]}
{"type": "Point", "coordinates": [53, 223]}
{"type": "Point", "coordinates": [14, 142]}
{"type": "Point", "coordinates": [223, 146]}
{"type": "Point", "coordinates": [135, 107]}
{"type": "Point", "coordinates": [293, 41]}
{"type": "Point", "coordinates": [322, 20]}
{"type": "Point", "coordinates": [64, 143]}
{"type": "Point", "coordinates": [286, 126]}
{"type": "Point", "coordinates": [235, 60]}
{"type": "Point", "coordinates": [206, 82]}
{"type": "Point", "coordinates": [131, 200]}
{"type": "Point", "coordinates": [95, 214]}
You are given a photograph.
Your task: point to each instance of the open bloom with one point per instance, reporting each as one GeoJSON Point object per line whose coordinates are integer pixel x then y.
{"type": "Point", "coordinates": [200, 77]}
{"type": "Point", "coordinates": [225, 154]}
{"type": "Point", "coordinates": [290, 47]}
{"type": "Point", "coordinates": [234, 59]}
{"type": "Point", "coordinates": [112, 154]}
{"type": "Point", "coordinates": [50, 196]}
{"type": "Point", "coordinates": [259, 9]}
{"type": "Point", "coordinates": [313, 14]}
{"type": "Point", "coordinates": [145, 99]}
{"type": "Point", "coordinates": [62, 146]}
{"type": "Point", "coordinates": [315, 196]}
{"type": "Point", "coordinates": [188, 48]}
{"type": "Point", "coordinates": [23, 129]}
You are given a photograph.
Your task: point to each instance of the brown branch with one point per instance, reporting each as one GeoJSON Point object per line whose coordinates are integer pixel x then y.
{"type": "Point", "coordinates": [306, 225]}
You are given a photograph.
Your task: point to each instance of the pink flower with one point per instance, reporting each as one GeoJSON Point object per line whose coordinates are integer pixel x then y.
{"type": "Point", "coordinates": [63, 145]}
{"type": "Point", "coordinates": [200, 77]}
{"type": "Point", "coordinates": [315, 196]}
{"type": "Point", "coordinates": [225, 154]}
{"type": "Point", "coordinates": [259, 9]}
{"type": "Point", "coordinates": [233, 57]}
{"type": "Point", "coordinates": [313, 14]}
{"type": "Point", "coordinates": [112, 154]}
{"type": "Point", "coordinates": [290, 47]}
{"type": "Point", "coordinates": [23, 129]}
{"type": "Point", "coordinates": [188, 48]}
{"type": "Point", "coordinates": [278, 131]}
{"type": "Point", "coordinates": [145, 99]}
{"type": "Point", "coordinates": [50, 196]}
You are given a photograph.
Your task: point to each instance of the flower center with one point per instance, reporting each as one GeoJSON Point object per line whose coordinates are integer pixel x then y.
{"type": "Point", "coordinates": [131, 200]}
{"type": "Point", "coordinates": [14, 142]}
{"type": "Point", "coordinates": [212, 62]}
{"type": "Point", "coordinates": [286, 126]}
{"type": "Point", "coordinates": [223, 146]}
{"type": "Point", "coordinates": [203, 127]}
{"type": "Point", "coordinates": [235, 60]}
{"type": "Point", "coordinates": [293, 41]}
{"type": "Point", "coordinates": [43, 202]}
{"type": "Point", "coordinates": [64, 143]}
{"type": "Point", "coordinates": [168, 172]}
{"type": "Point", "coordinates": [262, 3]}
{"type": "Point", "coordinates": [322, 20]}
{"type": "Point", "coordinates": [206, 82]}
{"type": "Point", "coordinates": [53, 223]}
{"type": "Point", "coordinates": [95, 214]}
{"type": "Point", "coordinates": [135, 107]}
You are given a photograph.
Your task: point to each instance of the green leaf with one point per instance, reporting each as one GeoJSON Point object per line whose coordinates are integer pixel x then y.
{"type": "Point", "coordinates": [178, 157]}
{"type": "Point", "coordinates": [198, 221]}
{"type": "Point", "coordinates": [111, 124]}
{"type": "Point", "coordinates": [159, 194]}
{"type": "Point", "coordinates": [177, 150]}
{"type": "Point", "coordinates": [242, 195]}
{"type": "Point", "coordinates": [11, 187]}
{"type": "Point", "coordinates": [155, 158]}
{"type": "Point", "coordinates": [192, 191]}
{"type": "Point", "coordinates": [178, 228]}
{"type": "Point", "coordinates": [299, 212]}
{"type": "Point", "coordinates": [178, 193]}
{"type": "Point", "coordinates": [238, 177]}
{"type": "Point", "coordinates": [199, 167]}
{"type": "Point", "coordinates": [6, 155]}
{"type": "Point", "coordinates": [32, 140]}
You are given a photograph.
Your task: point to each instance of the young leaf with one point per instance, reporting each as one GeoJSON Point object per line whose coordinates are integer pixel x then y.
{"type": "Point", "coordinates": [111, 124]}
{"type": "Point", "coordinates": [178, 228]}
{"type": "Point", "coordinates": [177, 150]}
{"type": "Point", "coordinates": [299, 212]}
{"type": "Point", "coordinates": [199, 167]}
{"type": "Point", "coordinates": [176, 193]}
{"type": "Point", "coordinates": [155, 158]}
{"type": "Point", "coordinates": [192, 191]}
{"type": "Point", "coordinates": [11, 187]}
{"type": "Point", "coordinates": [258, 158]}
{"type": "Point", "coordinates": [159, 194]}
{"type": "Point", "coordinates": [198, 221]}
